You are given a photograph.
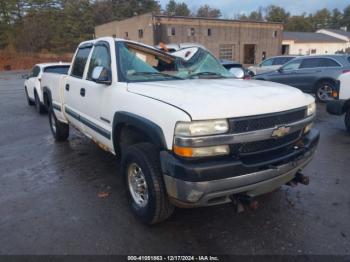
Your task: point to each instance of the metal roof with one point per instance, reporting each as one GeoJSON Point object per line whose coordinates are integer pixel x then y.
{"type": "Point", "coordinates": [307, 37]}
{"type": "Point", "coordinates": [339, 32]}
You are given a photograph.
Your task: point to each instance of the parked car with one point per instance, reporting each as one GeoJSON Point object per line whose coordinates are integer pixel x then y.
{"type": "Point", "coordinates": [32, 84]}
{"type": "Point", "coordinates": [270, 64]}
{"type": "Point", "coordinates": [187, 133]}
{"type": "Point", "coordinates": [316, 74]}
{"type": "Point", "coordinates": [341, 105]}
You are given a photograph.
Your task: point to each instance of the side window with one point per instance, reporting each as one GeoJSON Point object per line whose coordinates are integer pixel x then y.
{"type": "Point", "coordinates": [80, 62]}
{"type": "Point", "coordinates": [293, 65]}
{"type": "Point", "coordinates": [35, 71]}
{"type": "Point", "coordinates": [100, 57]}
{"type": "Point", "coordinates": [326, 62]}
{"type": "Point", "coordinates": [310, 63]}
{"type": "Point", "coordinates": [267, 62]}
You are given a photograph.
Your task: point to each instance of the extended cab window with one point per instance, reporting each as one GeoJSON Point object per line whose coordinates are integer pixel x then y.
{"type": "Point", "coordinates": [80, 61]}
{"type": "Point", "coordinates": [100, 57]}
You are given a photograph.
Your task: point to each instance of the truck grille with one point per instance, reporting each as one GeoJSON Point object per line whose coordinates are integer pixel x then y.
{"type": "Point", "coordinates": [264, 145]}
{"type": "Point", "coordinates": [246, 124]}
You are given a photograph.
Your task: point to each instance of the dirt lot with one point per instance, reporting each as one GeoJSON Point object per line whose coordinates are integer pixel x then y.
{"type": "Point", "coordinates": [50, 204]}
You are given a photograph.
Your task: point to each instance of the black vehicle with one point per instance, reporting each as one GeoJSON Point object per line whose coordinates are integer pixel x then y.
{"type": "Point", "coordinates": [311, 74]}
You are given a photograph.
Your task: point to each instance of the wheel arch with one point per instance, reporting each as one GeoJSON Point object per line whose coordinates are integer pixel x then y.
{"type": "Point", "coordinates": [150, 130]}
{"type": "Point", "coordinates": [334, 81]}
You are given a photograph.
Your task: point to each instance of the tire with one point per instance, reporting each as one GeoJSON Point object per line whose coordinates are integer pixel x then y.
{"type": "Point", "coordinates": [156, 206]}
{"type": "Point", "coordinates": [60, 131]}
{"type": "Point", "coordinates": [324, 91]}
{"type": "Point", "coordinates": [347, 120]}
{"type": "Point", "coordinates": [38, 106]}
{"type": "Point", "coordinates": [30, 102]}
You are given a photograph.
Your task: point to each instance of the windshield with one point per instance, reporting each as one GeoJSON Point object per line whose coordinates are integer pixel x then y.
{"type": "Point", "coordinates": [139, 63]}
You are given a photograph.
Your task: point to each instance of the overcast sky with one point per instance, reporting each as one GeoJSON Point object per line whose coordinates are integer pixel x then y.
{"type": "Point", "coordinates": [231, 7]}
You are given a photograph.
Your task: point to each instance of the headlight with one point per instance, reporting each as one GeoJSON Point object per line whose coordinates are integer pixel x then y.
{"type": "Point", "coordinates": [311, 109]}
{"type": "Point", "coordinates": [202, 151]}
{"type": "Point", "coordinates": [201, 128]}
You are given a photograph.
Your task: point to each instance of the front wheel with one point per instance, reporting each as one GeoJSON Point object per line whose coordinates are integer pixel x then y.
{"type": "Point", "coordinates": [324, 91]}
{"type": "Point", "coordinates": [144, 182]}
{"type": "Point", "coordinates": [60, 131]}
{"type": "Point", "coordinates": [347, 120]}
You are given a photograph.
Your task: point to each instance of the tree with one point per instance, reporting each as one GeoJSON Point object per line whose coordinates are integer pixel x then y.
{"type": "Point", "coordinates": [207, 11]}
{"type": "Point", "coordinates": [256, 15]}
{"type": "Point", "coordinates": [178, 9]}
{"type": "Point", "coordinates": [336, 18]}
{"type": "Point", "coordinates": [276, 14]}
{"type": "Point", "coordinates": [299, 23]}
{"type": "Point", "coordinates": [346, 17]}
{"type": "Point", "coordinates": [321, 19]}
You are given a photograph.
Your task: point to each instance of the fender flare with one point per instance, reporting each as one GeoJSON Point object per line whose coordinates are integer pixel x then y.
{"type": "Point", "coordinates": [152, 130]}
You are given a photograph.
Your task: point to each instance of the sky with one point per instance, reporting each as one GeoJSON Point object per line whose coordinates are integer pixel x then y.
{"type": "Point", "coordinates": [230, 8]}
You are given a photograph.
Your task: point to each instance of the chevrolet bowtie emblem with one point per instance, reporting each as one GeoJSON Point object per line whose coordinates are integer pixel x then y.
{"type": "Point", "coordinates": [280, 131]}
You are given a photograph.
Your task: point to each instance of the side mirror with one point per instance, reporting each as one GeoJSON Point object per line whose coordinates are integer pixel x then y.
{"type": "Point", "coordinates": [280, 70]}
{"type": "Point", "coordinates": [101, 75]}
{"type": "Point", "coordinates": [237, 72]}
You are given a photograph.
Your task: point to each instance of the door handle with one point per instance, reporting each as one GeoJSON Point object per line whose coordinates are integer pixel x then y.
{"type": "Point", "coordinates": [67, 87]}
{"type": "Point", "coordinates": [82, 91]}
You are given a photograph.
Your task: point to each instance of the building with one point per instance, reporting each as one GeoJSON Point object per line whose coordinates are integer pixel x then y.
{"type": "Point", "coordinates": [245, 41]}
{"type": "Point", "coordinates": [305, 43]}
{"type": "Point", "coordinates": [342, 34]}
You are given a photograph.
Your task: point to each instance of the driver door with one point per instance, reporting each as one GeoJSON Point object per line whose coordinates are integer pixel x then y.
{"type": "Point", "coordinates": [92, 96]}
{"type": "Point", "coordinates": [288, 74]}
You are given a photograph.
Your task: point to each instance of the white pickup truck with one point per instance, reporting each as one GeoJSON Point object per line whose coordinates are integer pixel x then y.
{"type": "Point", "coordinates": [341, 104]}
{"type": "Point", "coordinates": [187, 132]}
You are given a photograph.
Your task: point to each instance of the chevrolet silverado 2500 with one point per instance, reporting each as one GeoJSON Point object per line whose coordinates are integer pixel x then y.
{"type": "Point", "coordinates": [187, 132]}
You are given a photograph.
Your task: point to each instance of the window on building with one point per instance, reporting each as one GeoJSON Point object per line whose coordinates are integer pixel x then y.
{"type": "Point", "coordinates": [114, 35]}
{"type": "Point", "coordinates": [140, 33]}
{"type": "Point", "coordinates": [274, 34]}
{"type": "Point", "coordinates": [171, 31]}
{"type": "Point", "coordinates": [209, 32]}
{"type": "Point", "coordinates": [126, 35]}
{"type": "Point", "coordinates": [313, 51]}
{"type": "Point", "coordinates": [226, 51]}
{"type": "Point", "coordinates": [80, 62]}
{"type": "Point", "coordinates": [191, 31]}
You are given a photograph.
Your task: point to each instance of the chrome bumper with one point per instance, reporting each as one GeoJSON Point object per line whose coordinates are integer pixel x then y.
{"type": "Point", "coordinates": [205, 193]}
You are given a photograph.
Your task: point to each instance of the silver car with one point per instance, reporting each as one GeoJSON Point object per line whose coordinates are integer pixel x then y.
{"type": "Point", "coordinates": [270, 64]}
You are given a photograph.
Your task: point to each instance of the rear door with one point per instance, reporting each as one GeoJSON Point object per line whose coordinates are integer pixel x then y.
{"type": "Point", "coordinates": [74, 83]}
{"type": "Point", "coordinates": [308, 73]}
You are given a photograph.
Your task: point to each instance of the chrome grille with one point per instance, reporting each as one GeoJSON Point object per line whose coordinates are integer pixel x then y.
{"type": "Point", "coordinates": [247, 124]}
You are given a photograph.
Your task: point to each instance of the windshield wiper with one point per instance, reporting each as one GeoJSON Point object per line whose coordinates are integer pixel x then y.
{"type": "Point", "coordinates": [156, 74]}
{"type": "Point", "coordinates": [206, 74]}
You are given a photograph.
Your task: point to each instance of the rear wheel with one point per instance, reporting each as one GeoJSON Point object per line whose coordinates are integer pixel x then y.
{"type": "Point", "coordinates": [347, 120]}
{"type": "Point", "coordinates": [39, 107]}
{"type": "Point", "coordinates": [324, 91]}
{"type": "Point", "coordinates": [30, 102]}
{"type": "Point", "coordinates": [60, 131]}
{"type": "Point", "coordinates": [144, 182]}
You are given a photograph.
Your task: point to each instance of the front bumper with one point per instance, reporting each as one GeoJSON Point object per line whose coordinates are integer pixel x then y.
{"type": "Point", "coordinates": [336, 107]}
{"type": "Point", "coordinates": [211, 183]}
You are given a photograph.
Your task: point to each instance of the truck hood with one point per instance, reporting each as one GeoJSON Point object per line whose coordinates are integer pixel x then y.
{"type": "Point", "coordinates": [223, 98]}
